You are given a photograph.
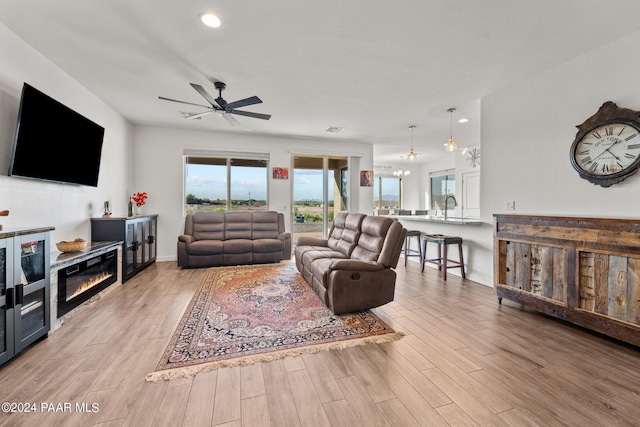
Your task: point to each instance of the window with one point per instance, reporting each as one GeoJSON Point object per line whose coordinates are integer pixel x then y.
{"type": "Point", "coordinates": [442, 185]}
{"type": "Point", "coordinates": [220, 184]}
{"type": "Point", "coordinates": [386, 193]}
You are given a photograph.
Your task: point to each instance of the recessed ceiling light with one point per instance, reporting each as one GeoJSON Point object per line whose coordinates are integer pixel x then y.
{"type": "Point", "coordinates": [463, 120]}
{"type": "Point", "coordinates": [210, 19]}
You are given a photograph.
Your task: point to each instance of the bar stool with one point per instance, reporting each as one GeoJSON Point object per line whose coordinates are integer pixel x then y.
{"type": "Point", "coordinates": [443, 261]}
{"type": "Point", "coordinates": [407, 246]}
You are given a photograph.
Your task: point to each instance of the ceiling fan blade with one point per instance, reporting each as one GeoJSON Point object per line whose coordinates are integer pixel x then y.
{"type": "Point", "coordinates": [232, 121]}
{"type": "Point", "coordinates": [243, 103]}
{"type": "Point", "coordinates": [183, 102]}
{"type": "Point", "coordinates": [198, 115]}
{"type": "Point", "coordinates": [204, 93]}
{"type": "Point", "coordinates": [250, 114]}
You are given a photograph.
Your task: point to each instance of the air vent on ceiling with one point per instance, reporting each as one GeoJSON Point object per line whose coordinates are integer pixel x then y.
{"type": "Point", "coordinates": [334, 129]}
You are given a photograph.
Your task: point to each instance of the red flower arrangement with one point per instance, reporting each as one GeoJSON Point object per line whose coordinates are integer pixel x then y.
{"type": "Point", "coordinates": [140, 198]}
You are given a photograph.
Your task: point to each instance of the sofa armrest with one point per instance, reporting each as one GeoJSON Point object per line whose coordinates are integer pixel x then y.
{"type": "Point", "coordinates": [286, 242]}
{"type": "Point", "coordinates": [186, 238]}
{"type": "Point", "coordinates": [356, 265]}
{"type": "Point", "coordinates": [311, 241]}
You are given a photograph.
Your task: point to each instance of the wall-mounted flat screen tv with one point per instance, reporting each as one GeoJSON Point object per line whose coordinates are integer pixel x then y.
{"type": "Point", "coordinates": [55, 143]}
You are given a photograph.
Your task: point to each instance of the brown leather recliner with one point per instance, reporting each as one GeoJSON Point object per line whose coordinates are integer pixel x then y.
{"type": "Point", "coordinates": [233, 238]}
{"type": "Point", "coordinates": [352, 270]}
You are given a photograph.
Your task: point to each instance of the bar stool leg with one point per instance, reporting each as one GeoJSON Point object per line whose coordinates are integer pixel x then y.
{"type": "Point", "coordinates": [444, 261]}
{"type": "Point", "coordinates": [461, 260]}
{"type": "Point", "coordinates": [406, 249]}
{"type": "Point", "coordinates": [439, 256]}
{"type": "Point", "coordinates": [424, 254]}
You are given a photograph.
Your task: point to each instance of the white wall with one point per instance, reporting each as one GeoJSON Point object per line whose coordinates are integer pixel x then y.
{"type": "Point", "coordinates": [159, 171]}
{"type": "Point", "coordinates": [68, 208]}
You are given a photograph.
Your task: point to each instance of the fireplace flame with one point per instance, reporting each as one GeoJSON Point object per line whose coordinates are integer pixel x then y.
{"type": "Point", "coordinates": [88, 284]}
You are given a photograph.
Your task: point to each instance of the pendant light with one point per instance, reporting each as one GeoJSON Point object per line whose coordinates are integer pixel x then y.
{"type": "Point", "coordinates": [451, 146]}
{"type": "Point", "coordinates": [400, 172]}
{"type": "Point", "coordinates": [412, 154]}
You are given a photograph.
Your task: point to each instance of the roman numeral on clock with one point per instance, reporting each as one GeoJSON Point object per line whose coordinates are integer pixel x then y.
{"type": "Point", "coordinates": [593, 167]}
{"type": "Point", "coordinates": [586, 160]}
{"type": "Point", "coordinates": [583, 153]}
{"type": "Point", "coordinates": [596, 135]}
{"type": "Point", "coordinates": [631, 136]}
{"type": "Point", "coordinates": [633, 146]}
{"type": "Point", "coordinates": [629, 156]}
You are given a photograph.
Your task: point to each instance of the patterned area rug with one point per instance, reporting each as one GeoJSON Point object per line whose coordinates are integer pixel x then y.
{"type": "Point", "coordinates": [248, 314]}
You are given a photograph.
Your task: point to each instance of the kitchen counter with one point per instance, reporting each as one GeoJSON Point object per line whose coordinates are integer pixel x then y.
{"type": "Point", "coordinates": [453, 220]}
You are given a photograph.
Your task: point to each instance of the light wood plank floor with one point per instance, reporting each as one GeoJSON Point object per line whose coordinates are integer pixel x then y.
{"type": "Point", "coordinates": [465, 360]}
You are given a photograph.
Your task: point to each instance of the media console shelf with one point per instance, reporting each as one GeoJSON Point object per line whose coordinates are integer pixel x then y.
{"type": "Point", "coordinates": [583, 270]}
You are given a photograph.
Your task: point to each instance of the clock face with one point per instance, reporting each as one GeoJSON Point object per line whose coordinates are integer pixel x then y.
{"type": "Point", "coordinates": [607, 150]}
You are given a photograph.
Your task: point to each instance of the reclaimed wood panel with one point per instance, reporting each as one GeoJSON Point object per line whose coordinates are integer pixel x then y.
{"type": "Point", "coordinates": [560, 265]}
{"type": "Point", "coordinates": [587, 289]}
{"type": "Point", "coordinates": [546, 274]}
{"type": "Point", "coordinates": [510, 265]}
{"type": "Point", "coordinates": [601, 275]}
{"type": "Point", "coordinates": [618, 287]}
{"type": "Point", "coordinates": [522, 261]}
{"type": "Point", "coordinates": [633, 291]}
{"type": "Point", "coordinates": [536, 270]}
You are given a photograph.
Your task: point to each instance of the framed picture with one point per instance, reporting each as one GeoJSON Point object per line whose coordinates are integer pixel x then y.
{"type": "Point", "coordinates": [366, 178]}
{"type": "Point", "coordinates": [280, 173]}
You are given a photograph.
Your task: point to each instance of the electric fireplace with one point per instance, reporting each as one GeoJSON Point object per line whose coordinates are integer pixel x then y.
{"type": "Point", "coordinates": [79, 282]}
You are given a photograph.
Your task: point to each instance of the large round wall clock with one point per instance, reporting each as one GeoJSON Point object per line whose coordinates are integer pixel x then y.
{"type": "Point", "coordinates": [607, 146]}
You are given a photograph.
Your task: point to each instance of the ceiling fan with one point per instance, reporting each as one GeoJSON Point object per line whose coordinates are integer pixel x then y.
{"type": "Point", "coordinates": [220, 106]}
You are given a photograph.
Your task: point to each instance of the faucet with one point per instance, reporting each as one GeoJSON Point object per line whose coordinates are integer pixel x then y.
{"type": "Point", "coordinates": [446, 201]}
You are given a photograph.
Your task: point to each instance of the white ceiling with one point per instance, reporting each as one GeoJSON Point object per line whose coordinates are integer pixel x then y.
{"type": "Point", "coordinates": [373, 67]}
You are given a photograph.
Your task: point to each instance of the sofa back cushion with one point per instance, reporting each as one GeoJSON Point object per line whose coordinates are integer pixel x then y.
{"type": "Point", "coordinates": [205, 225]}
{"type": "Point", "coordinates": [345, 231]}
{"type": "Point", "coordinates": [372, 238]}
{"type": "Point", "coordinates": [237, 225]}
{"type": "Point", "coordinates": [265, 225]}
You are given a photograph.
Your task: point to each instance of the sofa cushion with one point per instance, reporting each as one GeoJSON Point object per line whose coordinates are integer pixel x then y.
{"type": "Point", "coordinates": [207, 225]}
{"type": "Point", "coordinates": [238, 246]}
{"type": "Point", "coordinates": [345, 232]}
{"type": "Point", "coordinates": [237, 226]}
{"type": "Point", "coordinates": [205, 247]}
{"type": "Point", "coordinates": [374, 231]}
{"type": "Point", "coordinates": [268, 245]}
{"type": "Point", "coordinates": [264, 225]}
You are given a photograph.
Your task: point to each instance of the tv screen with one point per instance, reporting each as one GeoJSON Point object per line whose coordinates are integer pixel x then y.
{"type": "Point", "coordinates": [55, 143]}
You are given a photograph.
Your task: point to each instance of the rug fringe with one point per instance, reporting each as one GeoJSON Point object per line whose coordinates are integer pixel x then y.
{"type": "Point", "coordinates": [189, 371]}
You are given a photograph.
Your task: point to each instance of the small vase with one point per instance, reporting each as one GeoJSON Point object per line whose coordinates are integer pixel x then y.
{"type": "Point", "coordinates": [138, 210]}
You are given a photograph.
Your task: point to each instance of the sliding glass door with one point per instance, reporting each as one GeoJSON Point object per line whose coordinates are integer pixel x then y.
{"type": "Point", "coordinates": [320, 190]}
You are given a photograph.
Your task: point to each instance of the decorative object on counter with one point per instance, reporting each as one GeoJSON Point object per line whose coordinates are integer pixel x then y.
{"type": "Point", "coordinates": [607, 147]}
{"type": "Point", "coordinates": [451, 146]}
{"type": "Point", "coordinates": [106, 209]}
{"type": "Point", "coordinates": [140, 198]}
{"type": "Point", "coordinates": [74, 246]}
{"type": "Point", "coordinates": [412, 154]}
{"type": "Point", "coordinates": [130, 210]}
{"type": "Point", "coordinates": [473, 157]}
{"type": "Point", "coordinates": [3, 213]}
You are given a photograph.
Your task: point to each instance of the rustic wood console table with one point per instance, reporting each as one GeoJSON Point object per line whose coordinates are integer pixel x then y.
{"type": "Point", "coordinates": [583, 270]}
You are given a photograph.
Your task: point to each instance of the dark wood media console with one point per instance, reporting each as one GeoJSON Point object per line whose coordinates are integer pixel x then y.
{"type": "Point", "coordinates": [583, 270]}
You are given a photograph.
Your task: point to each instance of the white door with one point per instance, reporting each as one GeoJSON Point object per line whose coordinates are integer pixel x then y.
{"type": "Point", "coordinates": [471, 194]}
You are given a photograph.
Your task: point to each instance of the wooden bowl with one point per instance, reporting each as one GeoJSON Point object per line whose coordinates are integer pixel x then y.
{"type": "Point", "coordinates": [75, 246]}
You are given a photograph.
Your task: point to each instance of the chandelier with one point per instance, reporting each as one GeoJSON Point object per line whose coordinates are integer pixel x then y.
{"type": "Point", "coordinates": [451, 146]}
{"type": "Point", "coordinates": [412, 154]}
{"type": "Point", "coordinates": [400, 172]}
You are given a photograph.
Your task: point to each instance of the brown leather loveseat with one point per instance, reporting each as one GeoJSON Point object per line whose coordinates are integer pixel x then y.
{"type": "Point", "coordinates": [353, 269]}
{"type": "Point", "coordinates": [233, 238]}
